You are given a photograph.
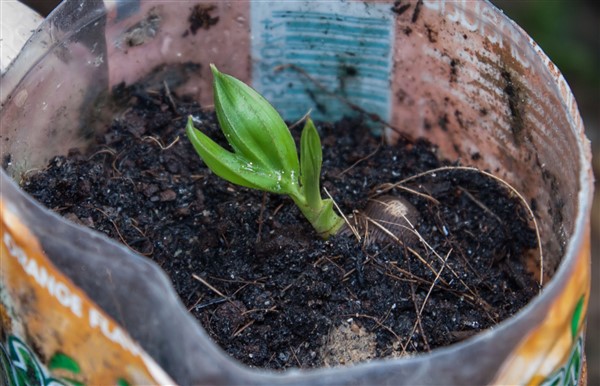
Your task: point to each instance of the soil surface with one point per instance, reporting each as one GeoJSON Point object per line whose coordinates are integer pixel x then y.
{"type": "Point", "coordinates": [253, 271]}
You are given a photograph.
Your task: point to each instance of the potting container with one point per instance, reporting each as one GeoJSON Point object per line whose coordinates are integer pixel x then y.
{"type": "Point", "coordinates": [77, 306]}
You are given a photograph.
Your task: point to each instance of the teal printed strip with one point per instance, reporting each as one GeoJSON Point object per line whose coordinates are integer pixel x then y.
{"type": "Point", "coordinates": [312, 55]}
{"type": "Point", "coordinates": [336, 12]}
{"type": "Point", "coordinates": [340, 29]}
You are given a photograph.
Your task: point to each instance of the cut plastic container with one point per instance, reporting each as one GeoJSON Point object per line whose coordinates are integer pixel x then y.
{"type": "Point", "coordinates": [75, 305]}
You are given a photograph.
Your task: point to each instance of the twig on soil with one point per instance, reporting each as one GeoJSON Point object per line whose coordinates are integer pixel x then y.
{"type": "Point", "coordinates": [287, 287]}
{"type": "Point", "coordinates": [407, 280]}
{"type": "Point", "coordinates": [265, 310]}
{"type": "Point", "coordinates": [295, 357]}
{"type": "Point", "coordinates": [248, 282]}
{"type": "Point", "coordinates": [195, 304]}
{"type": "Point", "coordinates": [388, 313]}
{"type": "Point", "coordinates": [245, 283]}
{"type": "Point", "coordinates": [359, 161]}
{"type": "Point", "coordinates": [102, 151]}
{"type": "Point", "coordinates": [271, 358]}
{"type": "Point", "coordinates": [207, 284]}
{"type": "Point", "coordinates": [420, 311]}
{"type": "Point", "coordinates": [239, 289]}
{"type": "Point", "coordinates": [347, 274]}
{"type": "Point", "coordinates": [123, 115]}
{"type": "Point", "coordinates": [386, 187]}
{"type": "Point", "coordinates": [366, 232]}
{"type": "Point", "coordinates": [168, 92]}
{"type": "Point", "coordinates": [24, 175]}
{"type": "Point", "coordinates": [419, 322]}
{"type": "Point", "coordinates": [318, 263]}
{"type": "Point", "coordinates": [121, 235]}
{"type": "Point", "coordinates": [352, 295]}
{"type": "Point", "coordinates": [480, 204]}
{"type": "Point", "coordinates": [241, 329]}
{"type": "Point", "coordinates": [378, 322]}
{"type": "Point", "coordinates": [352, 228]}
{"type": "Point", "coordinates": [134, 226]}
{"type": "Point", "coordinates": [197, 307]}
{"type": "Point", "coordinates": [114, 163]}
{"type": "Point", "coordinates": [159, 142]}
{"type": "Point", "coordinates": [224, 239]}
{"type": "Point", "coordinates": [277, 209]}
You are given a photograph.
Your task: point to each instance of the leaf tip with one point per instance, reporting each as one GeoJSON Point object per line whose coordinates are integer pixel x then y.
{"type": "Point", "coordinates": [189, 127]}
{"type": "Point", "coordinates": [217, 75]}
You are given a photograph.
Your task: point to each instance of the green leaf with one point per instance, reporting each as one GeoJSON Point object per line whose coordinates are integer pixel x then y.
{"type": "Point", "coordinates": [253, 127]}
{"type": "Point", "coordinates": [311, 159]}
{"type": "Point", "coordinates": [232, 167]}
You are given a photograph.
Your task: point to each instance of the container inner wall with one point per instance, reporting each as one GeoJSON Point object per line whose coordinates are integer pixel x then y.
{"type": "Point", "coordinates": [463, 76]}
{"type": "Point", "coordinates": [471, 81]}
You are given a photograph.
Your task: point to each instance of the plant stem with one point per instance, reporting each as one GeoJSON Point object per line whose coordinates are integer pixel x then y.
{"type": "Point", "coordinates": [323, 219]}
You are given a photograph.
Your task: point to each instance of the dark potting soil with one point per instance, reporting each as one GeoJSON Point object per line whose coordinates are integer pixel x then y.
{"type": "Point", "coordinates": [253, 271]}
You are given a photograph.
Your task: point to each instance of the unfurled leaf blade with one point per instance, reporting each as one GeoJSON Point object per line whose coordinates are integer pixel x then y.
{"type": "Point", "coordinates": [264, 154]}
{"type": "Point", "coordinates": [232, 167]}
{"type": "Point", "coordinates": [311, 159]}
{"type": "Point", "coordinates": [252, 126]}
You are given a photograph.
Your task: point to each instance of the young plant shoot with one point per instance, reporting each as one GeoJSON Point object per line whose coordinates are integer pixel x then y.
{"type": "Point", "coordinates": [264, 154]}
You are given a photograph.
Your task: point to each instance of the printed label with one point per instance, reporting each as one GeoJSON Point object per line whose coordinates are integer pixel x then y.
{"type": "Point", "coordinates": [21, 367]}
{"type": "Point", "coordinates": [302, 58]}
{"type": "Point", "coordinates": [44, 315]}
{"type": "Point", "coordinates": [569, 374]}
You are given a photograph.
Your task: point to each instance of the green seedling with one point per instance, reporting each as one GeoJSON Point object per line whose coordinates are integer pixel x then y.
{"type": "Point", "coordinates": [264, 154]}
